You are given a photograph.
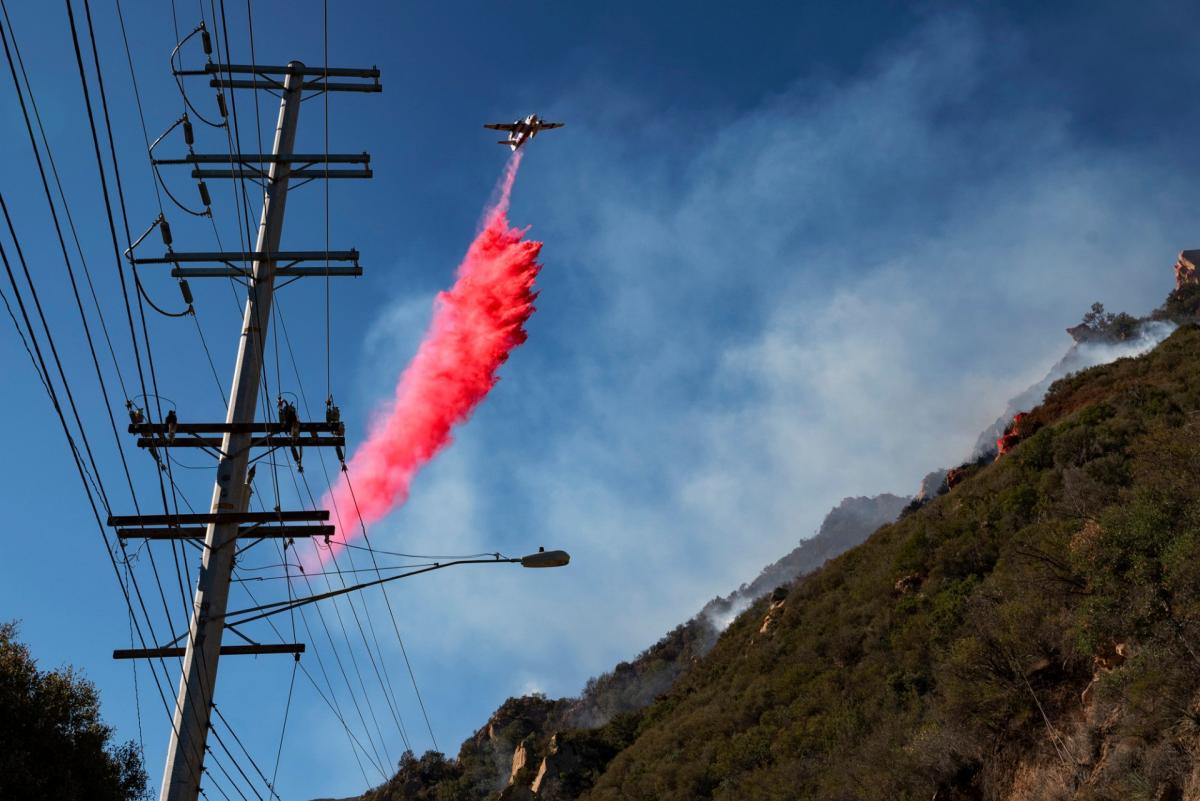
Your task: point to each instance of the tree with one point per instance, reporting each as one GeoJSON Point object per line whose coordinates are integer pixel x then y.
{"type": "Point", "coordinates": [53, 743]}
{"type": "Point", "coordinates": [1109, 326]}
{"type": "Point", "coordinates": [1097, 319]}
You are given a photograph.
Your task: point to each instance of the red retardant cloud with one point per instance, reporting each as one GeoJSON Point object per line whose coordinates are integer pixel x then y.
{"type": "Point", "coordinates": [476, 325]}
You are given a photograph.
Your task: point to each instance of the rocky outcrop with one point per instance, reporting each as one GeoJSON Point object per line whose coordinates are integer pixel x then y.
{"type": "Point", "coordinates": [520, 759]}
{"type": "Point", "coordinates": [932, 485]}
{"type": "Point", "coordinates": [1185, 268]}
{"type": "Point", "coordinates": [558, 762]}
{"type": "Point", "coordinates": [778, 601]}
{"type": "Point", "coordinates": [573, 762]}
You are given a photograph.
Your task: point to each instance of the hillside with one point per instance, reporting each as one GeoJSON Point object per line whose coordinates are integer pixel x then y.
{"type": "Point", "coordinates": [510, 747]}
{"type": "Point", "coordinates": [1030, 634]}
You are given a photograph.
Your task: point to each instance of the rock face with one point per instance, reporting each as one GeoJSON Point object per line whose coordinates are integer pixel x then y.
{"type": "Point", "coordinates": [558, 762]}
{"type": "Point", "coordinates": [1185, 268]}
{"type": "Point", "coordinates": [931, 486]}
{"type": "Point", "coordinates": [519, 760]}
{"type": "Point", "coordinates": [571, 766]}
{"type": "Point", "coordinates": [778, 601]}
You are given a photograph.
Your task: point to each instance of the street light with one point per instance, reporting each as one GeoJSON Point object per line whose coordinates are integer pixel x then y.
{"type": "Point", "coordinates": [542, 558]}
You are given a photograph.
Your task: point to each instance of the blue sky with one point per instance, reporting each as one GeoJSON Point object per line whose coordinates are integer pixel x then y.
{"type": "Point", "coordinates": [793, 252]}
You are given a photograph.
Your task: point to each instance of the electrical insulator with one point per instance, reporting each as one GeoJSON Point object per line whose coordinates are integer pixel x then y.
{"type": "Point", "coordinates": [206, 40]}
{"type": "Point", "coordinates": [204, 197]}
{"type": "Point", "coordinates": [186, 290]}
{"type": "Point", "coordinates": [221, 104]}
{"type": "Point", "coordinates": [165, 230]}
{"type": "Point", "coordinates": [189, 136]}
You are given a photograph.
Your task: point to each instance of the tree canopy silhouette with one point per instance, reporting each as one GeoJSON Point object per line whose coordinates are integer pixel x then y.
{"type": "Point", "coordinates": [53, 743]}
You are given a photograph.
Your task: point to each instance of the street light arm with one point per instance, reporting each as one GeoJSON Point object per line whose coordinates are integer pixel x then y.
{"type": "Point", "coordinates": [284, 606]}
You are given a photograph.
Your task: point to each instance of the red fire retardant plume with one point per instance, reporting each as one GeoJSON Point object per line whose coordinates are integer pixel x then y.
{"type": "Point", "coordinates": [476, 325]}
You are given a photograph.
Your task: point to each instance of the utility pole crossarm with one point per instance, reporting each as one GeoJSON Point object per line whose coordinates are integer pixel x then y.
{"type": "Point", "coordinates": [255, 174]}
{"type": "Point", "coordinates": [197, 533]}
{"type": "Point", "coordinates": [274, 77]}
{"type": "Point", "coordinates": [289, 69]}
{"type": "Point", "coordinates": [312, 441]}
{"type": "Point", "coordinates": [292, 256]}
{"type": "Point", "coordinates": [315, 86]}
{"type": "Point", "coordinates": [226, 650]}
{"type": "Point", "coordinates": [232, 258]}
{"type": "Point", "coordinates": [269, 158]}
{"type": "Point", "coordinates": [280, 272]}
{"type": "Point", "coordinates": [151, 429]}
{"type": "Point", "coordinates": [219, 518]}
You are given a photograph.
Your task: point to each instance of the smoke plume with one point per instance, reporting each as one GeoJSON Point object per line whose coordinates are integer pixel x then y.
{"type": "Point", "coordinates": [476, 325]}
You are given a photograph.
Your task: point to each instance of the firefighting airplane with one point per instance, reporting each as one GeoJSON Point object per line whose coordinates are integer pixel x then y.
{"type": "Point", "coordinates": [521, 131]}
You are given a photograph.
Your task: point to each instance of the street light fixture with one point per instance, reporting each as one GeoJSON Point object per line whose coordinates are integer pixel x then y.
{"type": "Point", "coordinates": [544, 558]}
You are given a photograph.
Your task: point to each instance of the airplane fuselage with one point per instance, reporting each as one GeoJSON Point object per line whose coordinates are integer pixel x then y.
{"type": "Point", "coordinates": [521, 131]}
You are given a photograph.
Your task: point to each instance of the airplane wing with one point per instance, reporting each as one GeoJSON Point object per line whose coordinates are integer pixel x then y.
{"type": "Point", "coordinates": [500, 126]}
{"type": "Point", "coordinates": [545, 126]}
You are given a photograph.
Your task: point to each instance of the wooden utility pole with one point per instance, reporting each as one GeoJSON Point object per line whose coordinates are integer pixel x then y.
{"type": "Point", "coordinates": [229, 518]}
{"type": "Point", "coordinates": [185, 754]}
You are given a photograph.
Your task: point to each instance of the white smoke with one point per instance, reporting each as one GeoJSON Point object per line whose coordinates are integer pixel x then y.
{"type": "Point", "coordinates": [720, 618]}
{"type": "Point", "coordinates": [1081, 356]}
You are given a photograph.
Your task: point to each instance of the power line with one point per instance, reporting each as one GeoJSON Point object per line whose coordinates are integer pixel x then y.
{"type": "Point", "coordinates": [112, 230]}
{"type": "Point", "coordinates": [113, 235]}
{"type": "Point", "coordinates": [389, 692]}
{"type": "Point", "coordinates": [62, 196]}
{"type": "Point", "coordinates": [85, 478]}
{"type": "Point", "coordinates": [77, 458]}
{"type": "Point", "coordinates": [337, 513]}
{"type": "Point", "coordinates": [283, 727]}
{"type": "Point", "coordinates": [104, 191]}
{"type": "Point", "coordinates": [329, 483]}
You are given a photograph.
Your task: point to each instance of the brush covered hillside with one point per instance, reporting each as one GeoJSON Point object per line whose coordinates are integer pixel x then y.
{"type": "Point", "coordinates": [1029, 630]}
{"type": "Point", "coordinates": [504, 758]}
{"type": "Point", "coordinates": [1033, 633]}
